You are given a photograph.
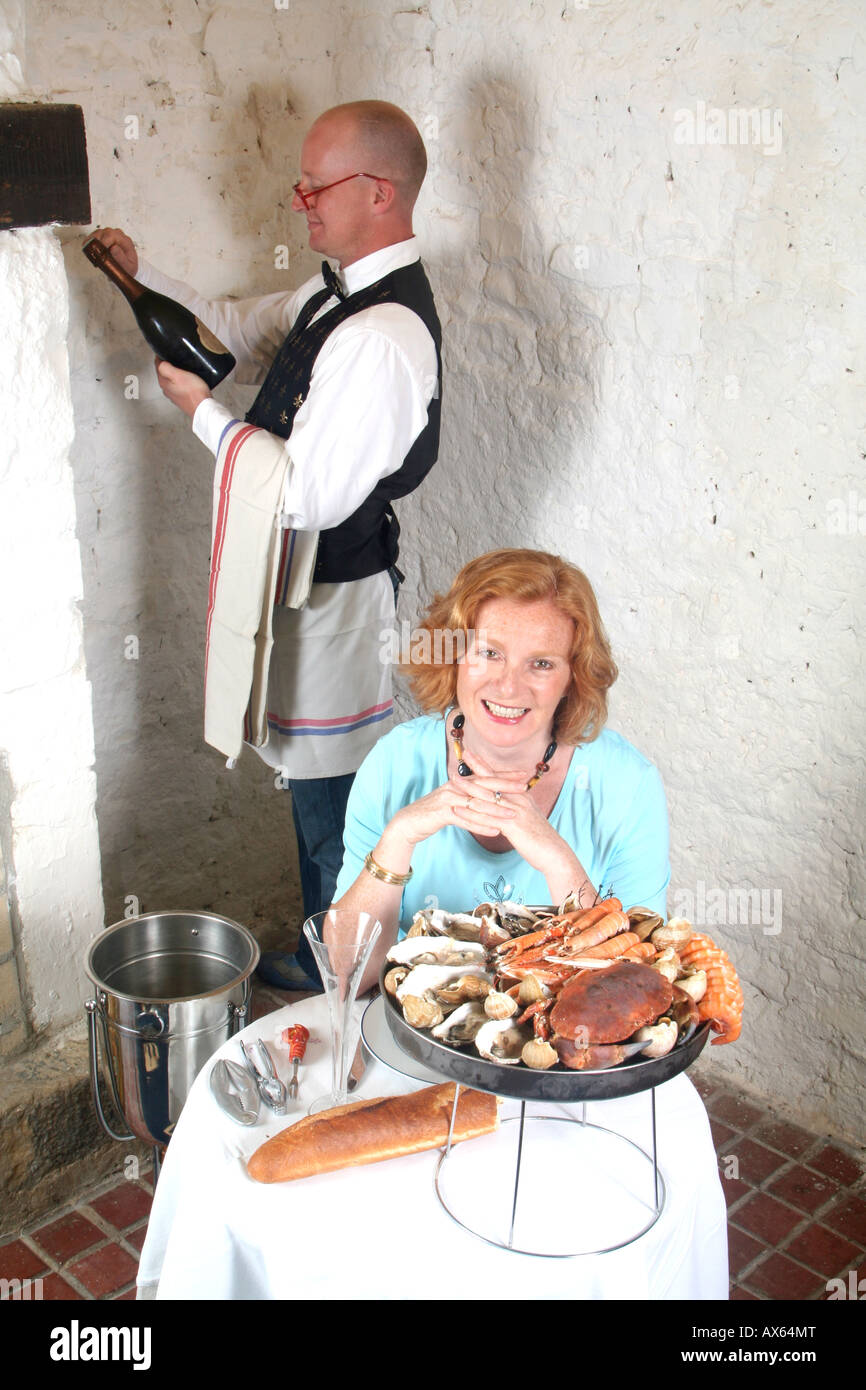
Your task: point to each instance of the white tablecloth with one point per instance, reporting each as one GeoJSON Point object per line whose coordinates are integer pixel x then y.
{"type": "Point", "coordinates": [380, 1231]}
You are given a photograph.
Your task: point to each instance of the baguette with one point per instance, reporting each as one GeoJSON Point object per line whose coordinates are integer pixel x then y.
{"type": "Point", "coordinates": [369, 1131]}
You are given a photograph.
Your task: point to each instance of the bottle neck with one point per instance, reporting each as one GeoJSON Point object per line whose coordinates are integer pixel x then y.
{"type": "Point", "coordinates": [101, 257]}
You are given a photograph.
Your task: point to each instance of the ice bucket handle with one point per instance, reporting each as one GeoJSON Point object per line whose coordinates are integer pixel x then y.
{"type": "Point", "coordinates": [240, 1013]}
{"type": "Point", "coordinates": [92, 1008]}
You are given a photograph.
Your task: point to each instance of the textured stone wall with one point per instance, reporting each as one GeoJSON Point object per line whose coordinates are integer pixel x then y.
{"type": "Point", "coordinates": [640, 223]}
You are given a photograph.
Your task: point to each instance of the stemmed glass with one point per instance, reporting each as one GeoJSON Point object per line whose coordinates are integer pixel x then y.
{"type": "Point", "coordinates": [341, 942]}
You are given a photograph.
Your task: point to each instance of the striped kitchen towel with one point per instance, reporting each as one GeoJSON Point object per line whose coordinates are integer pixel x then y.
{"type": "Point", "coordinates": [249, 553]}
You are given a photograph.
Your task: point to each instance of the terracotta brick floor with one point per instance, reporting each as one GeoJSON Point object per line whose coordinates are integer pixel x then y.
{"type": "Point", "coordinates": [796, 1213]}
{"type": "Point", "coordinates": [796, 1202]}
{"type": "Point", "coordinates": [87, 1250]}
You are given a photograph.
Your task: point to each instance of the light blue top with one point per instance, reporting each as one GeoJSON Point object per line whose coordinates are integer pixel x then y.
{"type": "Point", "coordinates": [611, 810]}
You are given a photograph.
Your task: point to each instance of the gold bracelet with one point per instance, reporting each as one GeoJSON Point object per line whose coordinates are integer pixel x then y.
{"type": "Point", "coordinates": [385, 874]}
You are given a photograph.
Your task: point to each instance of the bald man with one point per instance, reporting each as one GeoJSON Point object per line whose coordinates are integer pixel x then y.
{"type": "Point", "coordinates": [350, 368]}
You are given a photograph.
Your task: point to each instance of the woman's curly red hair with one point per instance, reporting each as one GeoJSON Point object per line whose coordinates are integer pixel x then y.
{"type": "Point", "coordinates": [530, 575]}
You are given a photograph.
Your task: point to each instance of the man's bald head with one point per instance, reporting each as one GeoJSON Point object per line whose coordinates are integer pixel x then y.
{"type": "Point", "coordinates": [386, 142]}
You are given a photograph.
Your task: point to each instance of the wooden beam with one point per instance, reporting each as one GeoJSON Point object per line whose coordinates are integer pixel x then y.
{"type": "Point", "coordinates": [43, 165]}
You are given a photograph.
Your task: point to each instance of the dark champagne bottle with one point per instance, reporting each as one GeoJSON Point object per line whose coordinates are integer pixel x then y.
{"type": "Point", "coordinates": [173, 332]}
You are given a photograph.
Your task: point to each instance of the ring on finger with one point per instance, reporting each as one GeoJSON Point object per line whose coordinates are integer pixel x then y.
{"type": "Point", "coordinates": [497, 797]}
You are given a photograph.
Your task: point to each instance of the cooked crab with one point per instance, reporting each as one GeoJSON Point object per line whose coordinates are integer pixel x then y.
{"type": "Point", "coordinates": [607, 1006]}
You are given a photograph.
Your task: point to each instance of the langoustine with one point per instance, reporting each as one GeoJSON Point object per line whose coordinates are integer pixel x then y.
{"type": "Point", "coordinates": [722, 1004]}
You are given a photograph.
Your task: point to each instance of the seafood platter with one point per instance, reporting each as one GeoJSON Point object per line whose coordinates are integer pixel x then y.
{"type": "Point", "coordinates": [558, 1004]}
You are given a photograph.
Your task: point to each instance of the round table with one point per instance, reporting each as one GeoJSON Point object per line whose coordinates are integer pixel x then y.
{"type": "Point", "coordinates": [379, 1231]}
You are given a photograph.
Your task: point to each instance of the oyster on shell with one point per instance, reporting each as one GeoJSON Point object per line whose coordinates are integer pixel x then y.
{"type": "Point", "coordinates": [463, 925]}
{"type": "Point", "coordinates": [431, 921]}
{"type": "Point", "coordinates": [462, 1025]}
{"type": "Point", "coordinates": [500, 1040]}
{"type": "Point", "coordinates": [426, 979]}
{"type": "Point", "coordinates": [436, 950]}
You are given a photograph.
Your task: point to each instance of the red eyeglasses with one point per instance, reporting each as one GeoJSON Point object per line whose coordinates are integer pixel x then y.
{"type": "Point", "coordinates": [312, 193]}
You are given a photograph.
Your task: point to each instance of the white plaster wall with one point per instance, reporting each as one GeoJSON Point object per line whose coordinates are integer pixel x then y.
{"type": "Point", "coordinates": [46, 729]}
{"type": "Point", "coordinates": [166, 103]}
{"type": "Point", "coordinates": [652, 356]}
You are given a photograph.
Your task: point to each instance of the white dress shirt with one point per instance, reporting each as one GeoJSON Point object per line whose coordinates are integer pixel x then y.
{"type": "Point", "coordinates": [371, 385]}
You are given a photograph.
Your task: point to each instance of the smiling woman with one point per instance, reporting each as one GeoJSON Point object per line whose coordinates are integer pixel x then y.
{"type": "Point", "coordinates": [561, 592]}
{"type": "Point", "coordinates": [510, 786]}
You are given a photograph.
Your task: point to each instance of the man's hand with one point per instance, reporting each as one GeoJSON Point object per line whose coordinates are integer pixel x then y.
{"type": "Point", "coordinates": [183, 389]}
{"type": "Point", "coordinates": [121, 246]}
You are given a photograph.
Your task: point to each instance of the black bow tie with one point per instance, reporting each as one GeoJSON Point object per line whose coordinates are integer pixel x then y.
{"type": "Point", "coordinates": [329, 275]}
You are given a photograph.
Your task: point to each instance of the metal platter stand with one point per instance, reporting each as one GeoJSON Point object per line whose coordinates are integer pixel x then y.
{"type": "Point", "coordinates": [467, 1174]}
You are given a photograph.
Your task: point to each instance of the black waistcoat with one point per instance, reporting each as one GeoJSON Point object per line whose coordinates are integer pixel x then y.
{"type": "Point", "coordinates": [366, 542]}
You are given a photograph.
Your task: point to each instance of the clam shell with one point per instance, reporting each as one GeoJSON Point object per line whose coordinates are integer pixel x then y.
{"type": "Point", "coordinates": [676, 933]}
{"type": "Point", "coordinates": [505, 909]}
{"type": "Point", "coordinates": [429, 922]}
{"type": "Point", "coordinates": [467, 986]}
{"type": "Point", "coordinates": [395, 977]}
{"type": "Point", "coordinates": [498, 1005]}
{"type": "Point", "coordinates": [539, 1055]}
{"type": "Point", "coordinates": [420, 1012]}
{"type": "Point", "coordinates": [643, 921]}
{"type": "Point", "coordinates": [693, 983]}
{"type": "Point", "coordinates": [659, 1037]}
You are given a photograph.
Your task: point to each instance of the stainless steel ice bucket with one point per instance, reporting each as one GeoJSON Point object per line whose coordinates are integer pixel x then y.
{"type": "Point", "coordinates": [171, 987]}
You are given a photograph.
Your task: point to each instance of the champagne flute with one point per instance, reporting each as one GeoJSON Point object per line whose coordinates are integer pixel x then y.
{"type": "Point", "coordinates": [342, 943]}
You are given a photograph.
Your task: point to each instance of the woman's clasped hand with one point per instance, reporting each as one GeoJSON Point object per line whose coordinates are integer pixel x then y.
{"type": "Point", "coordinates": [486, 806]}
